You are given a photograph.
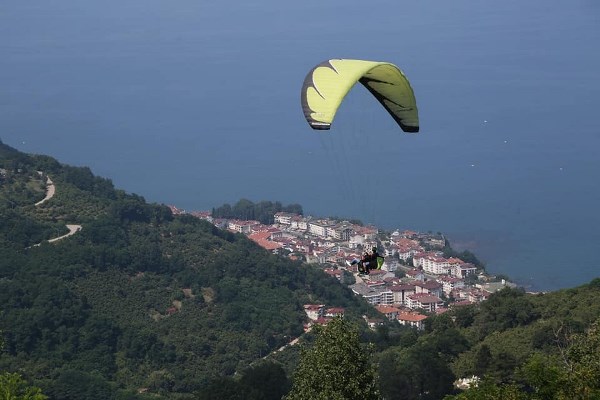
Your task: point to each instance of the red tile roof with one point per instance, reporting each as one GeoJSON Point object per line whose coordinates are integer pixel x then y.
{"type": "Point", "coordinates": [387, 309]}
{"type": "Point", "coordinates": [261, 238]}
{"type": "Point", "coordinates": [411, 317]}
{"type": "Point", "coordinates": [462, 303]}
{"type": "Point", "coordinates": [425, 298]}
{"type": "Point", "coordinates": [429, 285]}
{"type": "Point", "coordinates": [399, 288]}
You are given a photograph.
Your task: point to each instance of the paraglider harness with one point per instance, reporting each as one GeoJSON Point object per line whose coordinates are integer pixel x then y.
{"type": "Point", "coordinates": [369, 263]}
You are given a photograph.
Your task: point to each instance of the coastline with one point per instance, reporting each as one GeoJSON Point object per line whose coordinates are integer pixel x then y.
{"type": "Point", "coordinates": [428, 259]}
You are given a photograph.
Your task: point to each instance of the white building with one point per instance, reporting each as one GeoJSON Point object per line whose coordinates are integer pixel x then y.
{"type": "Point", "coordinates": [434, 263]}
{"type": "Point", "coordinates": [301, 224]}
{"type": "Point", "coordinates": [412, 319]}
{"type": "Point", "coordinates": [356, 241]}
{"type": "Point", "coordinates": [401, 293]}
{"type": "Point", "coordinates": [340, 232]}
{"type": "Point", "coordinates": [374, 295]}
{"type": "Point", "coordinates": [319, 227]}
{"type": "Point", "coordinates": [424, 301]}
{"type": "Point", "coordinates": [463, 270]}
{"type": "Point", "coordinates": [449, 283]}
{"type": "Point", "coordinates": [429, 287]}
{"type": "Point", "coordinates": [241, 226]}
{"type": "Point", "coordinates": [314, 311]}
{"type": "Point", "coordinates": [391, 313]}
{"type": "Point", "coordinates": [284, 218]}
{"type": "Point", "coordinates": [390, 250]}
{"type": "Point", "coordinates": [335, 312]}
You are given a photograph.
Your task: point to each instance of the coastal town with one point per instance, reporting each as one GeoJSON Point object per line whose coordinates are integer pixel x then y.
{"type": "Point", "coordinates": [415, 281]}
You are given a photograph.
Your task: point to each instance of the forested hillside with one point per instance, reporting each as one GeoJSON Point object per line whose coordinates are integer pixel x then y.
{"type": "Point", "coordinates": [137, 300]}
{"type": "Point", "coordinates": [139, 303]}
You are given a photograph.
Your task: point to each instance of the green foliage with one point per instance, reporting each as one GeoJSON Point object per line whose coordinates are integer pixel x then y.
{"type": "Point", "coordinates": [139, 298]}
{"type": "Point", "coordinates": [488, 390]}
{"type": "Point", "coordinates": [263, 211]}
{"type": "Point", "coordinates": [582, 366]}
{"type": "Point", "coordinates": [416, 372]}
{"type": "Point", "coordinates": [573, 373]}
{"type": "Point", "coordinates": [348, 278]}
{"type": "Point", "coordinates": [336, 367]}
{"type": "Point", "coordinates": [13, 387]}
{"type": "Point", "coordinates": [464, 316]}
{"type": "Point", "coordinates": [75, 384]}
{"type": "Point", "coordinates": [224, 388]}
{"type": "Point", "coordinates": [265, 381]}
{"type": "Point", "coordinates": [421, 369]}
{"type": "Point", "coordinates": [6, 151]}
{"type": "Point", "coordinates": [20, 230]}
{"type": "Point", "coordinates": [143, 300]}
{"type": "Point", "coordinates": [505, 309]}
{"type": "Point", "coordinates": [545, 376]}
{"type": "Point", "coordinates": [83, 179]}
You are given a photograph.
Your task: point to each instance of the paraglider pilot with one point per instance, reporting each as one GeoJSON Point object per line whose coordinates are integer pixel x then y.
{"type": "Point", "coordinates": [368, 262]}
{"type": "Point", "coordinates": [371, 260]}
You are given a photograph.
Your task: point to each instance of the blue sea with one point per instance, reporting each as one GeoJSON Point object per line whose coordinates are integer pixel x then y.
{"type": "Point", "coordinates": [196, 103]}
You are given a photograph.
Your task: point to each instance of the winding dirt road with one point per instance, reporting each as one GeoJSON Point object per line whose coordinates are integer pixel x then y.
{"type": "Point", "coordinates": [50, 191]}
{"type": "Point", "coordinates": [73, 229]}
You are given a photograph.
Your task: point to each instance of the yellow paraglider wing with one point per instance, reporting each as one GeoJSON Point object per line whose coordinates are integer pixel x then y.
{"type": "Point", "coordinates": [327, 84]}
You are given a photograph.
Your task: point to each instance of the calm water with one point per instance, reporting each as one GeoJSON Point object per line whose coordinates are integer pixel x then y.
{"type": "Point", "coordinates": [196, 103]}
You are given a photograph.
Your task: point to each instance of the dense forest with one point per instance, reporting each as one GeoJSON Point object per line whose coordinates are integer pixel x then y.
{"type": "Point", "coordinates": [143, 304]}
{"type": "Point", "coordinates": [138, 300]}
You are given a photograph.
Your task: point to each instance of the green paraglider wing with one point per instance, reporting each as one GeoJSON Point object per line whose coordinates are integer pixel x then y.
{"type": "Point", "coordinates": [327, 84]}
{"type": "Point", "coordinates": [380, 261]}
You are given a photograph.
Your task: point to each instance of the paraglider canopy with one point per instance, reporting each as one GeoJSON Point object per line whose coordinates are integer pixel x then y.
{"type": "Point", "coordinates": [327, 84]}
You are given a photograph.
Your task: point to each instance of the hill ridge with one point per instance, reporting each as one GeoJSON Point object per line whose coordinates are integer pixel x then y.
{"type": "Point", "coordinates": [115, 283]}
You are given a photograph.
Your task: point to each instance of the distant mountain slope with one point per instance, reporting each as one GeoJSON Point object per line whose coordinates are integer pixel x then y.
{"type": "Point", "coordinates": [138, 299]}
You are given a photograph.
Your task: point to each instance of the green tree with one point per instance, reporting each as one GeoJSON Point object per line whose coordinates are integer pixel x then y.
{"type": "Point", "coordinates": [13, 387]}
{"type": "Point", "coordinates": [76, 385]}
{"type": "Point", "coordinates": [573, 374]}
{"type": "Point", "coordinates": [347, 278]}
{"type": "Point", "coordinates": [544, 375]}
{"type": "Point", "coordinates": [266, 381]}
{"type": "Point", "coordinates": [244, 209]}
{"type": "Point", "coordinates": [223, 388]}
{"type": "Point", "coordinates": [417, 372]}
{"type": "Point", "coordinates": [583, 365]}
{"type": "Point", "coordinates": [335, 368]}
{"type": "Point", "coordinates": [488, 390]}
{"type": "Point", "coordinates": [483, 358]}
{"type": "Point", "coordinates": [464, 315]}
{"type": "Point", "coordinates": [505, 309]}
{"type": "Point", "coordinates": [247, 210]}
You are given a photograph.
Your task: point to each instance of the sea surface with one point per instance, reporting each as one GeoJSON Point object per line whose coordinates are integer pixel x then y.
{"type": "Point", "coordinates": [195, 103]}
